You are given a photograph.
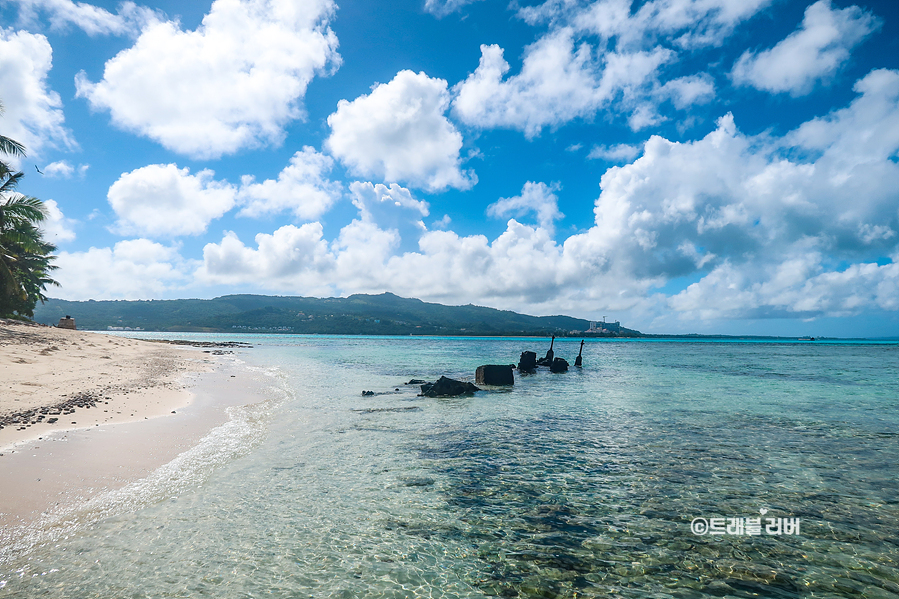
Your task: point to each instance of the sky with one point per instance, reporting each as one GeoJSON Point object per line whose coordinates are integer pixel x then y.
{"type": "Point", "coordinates": [707, 166]}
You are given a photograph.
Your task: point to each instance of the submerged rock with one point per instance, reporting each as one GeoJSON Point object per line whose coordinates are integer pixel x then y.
{"type": "Point", "coordinates": [494, 374]}
{"type": "Point", "coordinates": [445, 387]}
{"type": "Point", "coordinates": [559, 365]}
{"type": "Point", "coordinates": [527, 362]}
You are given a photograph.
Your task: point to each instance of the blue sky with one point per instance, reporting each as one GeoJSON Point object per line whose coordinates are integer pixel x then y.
{"type": "Point", "coordinates": [679, 165]}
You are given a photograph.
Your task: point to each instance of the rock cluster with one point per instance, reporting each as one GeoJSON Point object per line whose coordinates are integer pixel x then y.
{"type": "Point", "coordinates": [236, 344]}
{"type": "Point", "coordinates": [445, 387]}
{"type": "Point", "coordinates": [22, 420]}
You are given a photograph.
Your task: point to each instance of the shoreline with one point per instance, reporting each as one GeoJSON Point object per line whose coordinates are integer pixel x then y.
{"type": "Point", "coordinates": [167, 401]}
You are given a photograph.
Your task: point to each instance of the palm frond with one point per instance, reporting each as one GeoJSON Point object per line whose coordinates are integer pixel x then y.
{"type": "Point", "coordinates": [11, 147]}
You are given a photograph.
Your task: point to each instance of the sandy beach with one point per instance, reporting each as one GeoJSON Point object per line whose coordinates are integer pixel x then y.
{"type": "Point", "coordinates": [82, 414]}
{"type": "Point", "coordinates": [58, 379]}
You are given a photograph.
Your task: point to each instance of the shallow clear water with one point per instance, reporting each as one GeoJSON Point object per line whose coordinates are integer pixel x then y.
{"type": "Point", "coordinates": [572, 485]}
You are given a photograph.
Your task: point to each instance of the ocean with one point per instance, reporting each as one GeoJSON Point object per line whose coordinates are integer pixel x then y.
{"type": "Point", "coordinates": [659, 469]}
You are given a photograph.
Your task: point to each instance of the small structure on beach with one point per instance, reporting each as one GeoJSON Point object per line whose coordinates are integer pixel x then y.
{"type": "Point", "coordinates": [66, 323]}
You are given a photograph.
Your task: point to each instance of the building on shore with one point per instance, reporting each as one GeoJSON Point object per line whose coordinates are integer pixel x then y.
{"type": "Point", "coordinates": [604, 327]}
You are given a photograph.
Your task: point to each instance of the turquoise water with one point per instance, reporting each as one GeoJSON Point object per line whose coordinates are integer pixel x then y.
{"type": "Point", "coordinates": [581, 484]}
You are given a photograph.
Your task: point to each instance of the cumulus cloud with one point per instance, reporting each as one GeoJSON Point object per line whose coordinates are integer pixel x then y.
{"type": "Point", "coordinates": [538, 198]}
{"type": "Point", "coordinates": [131, 269]}
{"type": "Point", "coordinates": [797, 226]}
{"type": "Point", "coordinates": [302, 188]}
{"type": "Point", "coordinates": [797, 287]}
{"type": "Point", "coordinates": [232, 83]}
{"type": "Point", "coordinates": [93, 20]}
{"type": "Point", "coordinates": [372, 199]}
{"type": "Point", "coordinates": [399, 132]}
{"type": "Point", "coordinates": [768, 229]}
{"type": "Point", "coordinates": [161, 200]}
{"type": "Point", "coordinates": [56, 227]}
{"type": "Point", "coordinates": [816, 51]}
{"type": "Point", "coordinates": [599, 56]}
{"type": "Point", "coordinates": [290, 258]}
{"type": "Point", "coordinates": [560, 80]}
{"type": "Point", "coordinates": [33, 112]}
{"type": "Point", "coordinates": [63, 169]}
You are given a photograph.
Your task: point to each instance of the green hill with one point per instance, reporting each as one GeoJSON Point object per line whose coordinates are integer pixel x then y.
{"type": "Point", "coordinates": [385, 314]}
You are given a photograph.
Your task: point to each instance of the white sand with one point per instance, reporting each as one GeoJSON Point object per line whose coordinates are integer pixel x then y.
{"type": "Point", "coordinates": [45, 367]}
{"type": "Point", "coordinates": [130, 432]}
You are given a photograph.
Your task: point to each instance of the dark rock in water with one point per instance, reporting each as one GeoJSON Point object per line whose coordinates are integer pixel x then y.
{"type": "Point", "coordinates": [578, 361]}
{"type": "Point", "coordinates": [416, 382]}
{"type": "Point", "coordinates": [494, 374]}
{"type": "Point", "coordinates": [527, 362]}
{"type": "Point", "coordinates": [559, 365]}
{"type": "Point", "coordinates": [367, 393]}
{"type": "Point", "coordinates": [445, 387]}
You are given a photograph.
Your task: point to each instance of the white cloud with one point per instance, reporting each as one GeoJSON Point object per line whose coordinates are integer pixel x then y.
{"type": "Point", "coordinates": [63, 169]}
{"type": "Point", "coordinates": [599, 56]}
{"type": "Point", "coordinates": [290, 258]}
{"type": "Point", "coordinates": [560, 80]}
{"type": "Point", "coordinates": [372, 199]}
{"type": "Point", "coordinates": [763, 232]}
{"type": "Point", "coordinates": [688, 23]}
{"type": "Point", "coordinates": [689, 91]}
{"type": "Point", "coordinates": [33, 112]}
{"type": "Point", "coordinates": [161, 200]}
{"type": "Point", "coordinates": [538, 198]}
{"type": "Point", "coordinates": [93, 20]}
{"type": "Point", "coordinates": [797, 287]}
{"type": "Point", "coordinates": [399, 132]}
{"type": "Point", "coordinates": [56, 227]}
{"type": "Point", "coordinates": [616, 153]}
{"type": "Point", "coordinates": [767, 228]}
{"type": "Point", "coordinates": [302, 187]}
{"type": "Point", "coordinates": [442, 8]}
{"type": "Point", "coordinates": [816, 51]}
{"type": "Point", "coordinates": [233, 83]}
{"type": "Point", "coordinates": [132, 269]}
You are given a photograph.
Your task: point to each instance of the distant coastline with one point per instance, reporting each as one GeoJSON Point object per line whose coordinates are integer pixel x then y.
{"type": "Point", "coordinates": [385, 314]}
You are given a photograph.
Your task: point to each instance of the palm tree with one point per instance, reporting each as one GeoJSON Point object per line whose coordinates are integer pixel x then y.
{"type": "Point", "coordinates": [24, 255]}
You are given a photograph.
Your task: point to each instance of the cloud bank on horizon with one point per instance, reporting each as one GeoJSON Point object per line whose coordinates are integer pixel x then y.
{"type": "Point", "coordinates": [680, 165]}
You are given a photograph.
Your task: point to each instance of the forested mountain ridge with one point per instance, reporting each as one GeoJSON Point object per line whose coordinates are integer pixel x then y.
{"type": "Point", "coordinates": [384, 314]}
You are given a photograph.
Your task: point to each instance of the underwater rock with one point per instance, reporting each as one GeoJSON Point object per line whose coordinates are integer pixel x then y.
{"type": "Point", "coordinates": [559, 365]}
{"type": "Point", "coordinates": [445, 387]}
{"type": "Point", "coordinates": [527, 362]}
{"type": "Point", "coordinates": [494, 374]}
